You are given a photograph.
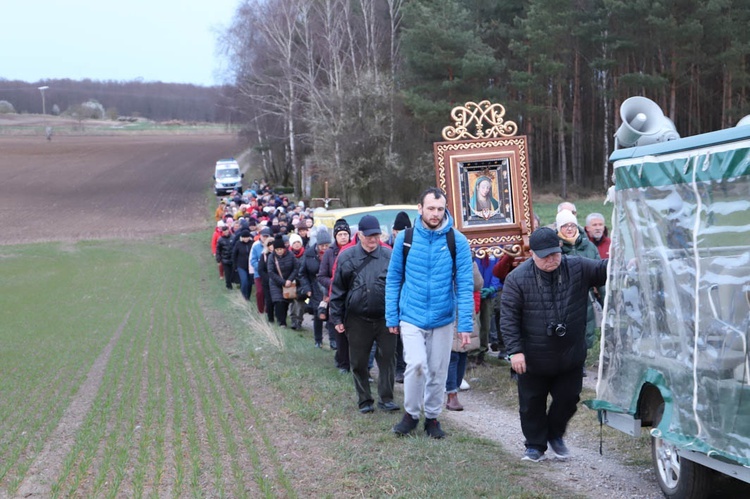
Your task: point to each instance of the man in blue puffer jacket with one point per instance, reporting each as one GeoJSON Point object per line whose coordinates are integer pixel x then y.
{"type": "Point", "coordinates": [422, 296]}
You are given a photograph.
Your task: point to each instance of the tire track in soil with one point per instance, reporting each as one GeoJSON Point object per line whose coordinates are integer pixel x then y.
{"type": "Point", "coordinates": [49, 462]}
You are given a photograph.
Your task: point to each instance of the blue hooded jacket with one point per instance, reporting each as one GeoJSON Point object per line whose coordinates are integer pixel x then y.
{"type": "Point", "coordinates": [429, 296]}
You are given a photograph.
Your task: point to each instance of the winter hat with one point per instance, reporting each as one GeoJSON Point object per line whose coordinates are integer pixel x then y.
{"type": "Point", "coordinates": [278, 242]}
{"type": "Point", "coordinates": [245, 233]}
{"type": "Point", "coordinates": [221, 223]}
{"type": "Point", "coordinates": [341, 225]}
{"type": "Point", "coordinates": [323, 236]}
{"type": "Point", "coordinates": [544, 242]}
{"type": "Point", "coordinates": [369, 226]}
{"type": "Point", "coordinates": [402, 221]}
{"type": "Point", "coordinates": [565, 217]}
{"type": "Point", "coordinates": [295, 238]}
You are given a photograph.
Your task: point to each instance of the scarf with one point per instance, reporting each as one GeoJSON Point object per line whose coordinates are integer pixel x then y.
{"type": "Point", "coordinates": [571, 240]}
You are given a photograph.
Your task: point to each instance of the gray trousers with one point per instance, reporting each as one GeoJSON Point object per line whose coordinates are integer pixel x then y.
{"type": "Point", "coordinates": [427, 353]}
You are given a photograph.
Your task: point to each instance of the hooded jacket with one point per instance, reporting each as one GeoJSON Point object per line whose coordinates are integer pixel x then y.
{"type": "Point", "coordinates": [424, 292]}
{"type": "Point", "coordinates": [532, 299]}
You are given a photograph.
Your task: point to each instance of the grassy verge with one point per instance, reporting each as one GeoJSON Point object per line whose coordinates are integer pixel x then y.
{"type": "Point", "coordinates": [197, 396]}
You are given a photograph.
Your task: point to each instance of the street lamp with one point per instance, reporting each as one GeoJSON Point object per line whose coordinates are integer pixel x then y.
{"type": "Point", "coordinates": [42, 89]}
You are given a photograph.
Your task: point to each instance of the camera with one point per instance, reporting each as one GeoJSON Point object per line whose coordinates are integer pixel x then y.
{"type": "Point", "coordinates": [557, 328]}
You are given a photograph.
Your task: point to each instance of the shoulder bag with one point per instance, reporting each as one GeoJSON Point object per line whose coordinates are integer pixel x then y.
{"type": "Point", "coordinates": [288, 292]}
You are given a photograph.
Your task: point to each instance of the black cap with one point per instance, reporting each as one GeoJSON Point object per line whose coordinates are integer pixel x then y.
{"type": "Point", "coordinates": [544, 242]}
{"type": "Point", "coordinates": [245, 233]}
{"type": "Point", "coordinates": [369, 226]}
{"type": "Point", "coordinates": [278, 242]}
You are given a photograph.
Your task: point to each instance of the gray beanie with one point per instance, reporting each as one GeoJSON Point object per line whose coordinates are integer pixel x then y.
{"type": "Point", "coordinates": [323, 236]}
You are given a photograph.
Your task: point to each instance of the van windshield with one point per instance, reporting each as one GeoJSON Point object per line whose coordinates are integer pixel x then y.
{"type": "Point", "coordinates": [228, 173]}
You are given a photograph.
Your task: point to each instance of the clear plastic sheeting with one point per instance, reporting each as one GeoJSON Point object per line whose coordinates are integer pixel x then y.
{"type": "Point", "coordinates": [678, 296]}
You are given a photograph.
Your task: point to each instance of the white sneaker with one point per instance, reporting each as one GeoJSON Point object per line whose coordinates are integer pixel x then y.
{"type": "Point", "coordinates": [464, 385]}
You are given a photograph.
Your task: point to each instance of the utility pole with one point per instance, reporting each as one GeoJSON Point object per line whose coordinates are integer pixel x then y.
{"type": "Point", "coordinates": [42, 89]}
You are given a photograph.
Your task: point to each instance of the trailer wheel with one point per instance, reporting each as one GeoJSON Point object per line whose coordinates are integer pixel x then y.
{"type": "Point", "coordinates": [678, 478]}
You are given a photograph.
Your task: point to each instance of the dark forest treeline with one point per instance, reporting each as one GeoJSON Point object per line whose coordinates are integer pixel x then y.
{"type": "Point", "coordinates": [357, 90]}
{"type": "Point", "coordinates": [153, 100]}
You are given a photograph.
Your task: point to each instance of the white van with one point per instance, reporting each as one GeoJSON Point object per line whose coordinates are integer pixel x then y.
{"type": "Point", "coordinates": [227, 176]}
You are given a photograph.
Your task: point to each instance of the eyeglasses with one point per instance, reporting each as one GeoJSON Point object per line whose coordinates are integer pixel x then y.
{"type": "Point", "coordinates": [570, 226]}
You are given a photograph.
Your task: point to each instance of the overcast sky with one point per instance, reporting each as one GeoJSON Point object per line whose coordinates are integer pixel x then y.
{"type": "Point", "coordinates": [173, 41]}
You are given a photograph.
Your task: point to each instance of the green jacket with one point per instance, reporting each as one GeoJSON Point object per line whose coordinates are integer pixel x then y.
{"type": "Point", "coordinates": [585, 248]}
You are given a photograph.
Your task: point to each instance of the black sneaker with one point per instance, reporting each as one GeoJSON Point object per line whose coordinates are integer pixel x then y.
{"type": "Point", "coordinates": [533, 455]}
{"type": "Point", "coordinates": [388, 406]}
{"type": "Point", "coordinates": [406, 425]}
{"type": "Point", "coordinates": [559, 448]}
{"type": "Point", "coordinates": [432, 428]}
{"type": "Point", "coordinates": [367, 409]}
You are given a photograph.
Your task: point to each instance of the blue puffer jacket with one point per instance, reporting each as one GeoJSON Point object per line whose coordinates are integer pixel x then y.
{"type": "Point", "coordinates": [428, 297]}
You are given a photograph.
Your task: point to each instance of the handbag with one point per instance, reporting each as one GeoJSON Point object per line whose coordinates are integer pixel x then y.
{"type": "Point", "coordinates": [288, 292]}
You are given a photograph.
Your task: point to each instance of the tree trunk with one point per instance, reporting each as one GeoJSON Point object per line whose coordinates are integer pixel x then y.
{"type": "Point", "coordinates": [562, 153]}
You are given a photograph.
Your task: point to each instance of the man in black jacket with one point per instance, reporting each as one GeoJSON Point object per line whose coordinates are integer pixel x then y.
{"type": "Point", "coordinates": [543, 322]}
{"type": "Point", "coordinates": [224, 255]}
{"type": "Point", "coordinates": [357, 309]}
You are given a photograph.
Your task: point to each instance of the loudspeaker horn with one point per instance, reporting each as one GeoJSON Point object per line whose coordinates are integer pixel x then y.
{"type": "Point", "coordinates": [643, 122]}
{"type": "Point", "coordinates": [744, 121]}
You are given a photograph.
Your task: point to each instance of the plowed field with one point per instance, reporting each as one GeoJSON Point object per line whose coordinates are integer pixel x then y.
{"type": "Point", "coordinates": [104, 187]}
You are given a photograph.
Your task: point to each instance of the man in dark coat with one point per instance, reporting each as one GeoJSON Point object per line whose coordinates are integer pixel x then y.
{"type": "Point", "coordinates": [357, 310]}
{"type": "Point", "coordinates": [543, 322]}
{"type": "Point", "coordinates": [224, 255]}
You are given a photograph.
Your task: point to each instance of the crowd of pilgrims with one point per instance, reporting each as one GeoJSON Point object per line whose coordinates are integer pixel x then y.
{"type": "Point", "coordinates": [264, 240]}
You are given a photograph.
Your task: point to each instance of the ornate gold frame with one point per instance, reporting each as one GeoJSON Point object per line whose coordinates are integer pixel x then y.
{"type": "Point", "coordinates": [503, 225]}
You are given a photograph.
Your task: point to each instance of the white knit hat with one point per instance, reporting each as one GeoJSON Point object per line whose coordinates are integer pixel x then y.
{"type": "Point", "coordinates": [565, 217]}
{"type": "Point", "coordinates": [295, 238]}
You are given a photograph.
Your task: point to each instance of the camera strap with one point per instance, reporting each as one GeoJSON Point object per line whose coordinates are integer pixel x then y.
{"type": "Point", "coordinates": [554, 288]}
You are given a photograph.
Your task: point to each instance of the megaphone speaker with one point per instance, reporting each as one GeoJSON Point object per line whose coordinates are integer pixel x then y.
{"type": "Point", "coordinates": [643, 122]}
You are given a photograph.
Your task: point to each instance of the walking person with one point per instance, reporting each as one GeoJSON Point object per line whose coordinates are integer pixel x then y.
{"type": "Point", "coordinates": [265, 281]}
{"type": "Point", "coordinates": [357, 310]}
{"type": "Point", "coordinates": [459, 351]}
{"type": "Point", "coordinates": [224, 255]}
{"type": "Point", "coordinates": [297, 306]}
{"type": "Point", "coordinates": [215, 239]}
{"type": "Point", "coordinates": [341, 235]}
{"type": "Point", "coordinates": [241, 262]}
{"type": "Point", "coordinates": [256, 250]}
{"type": "Point", "coordinates": [401, 222]}
{"type": "Point", "coordinates": [574, 243]}
{"type": "Point", "coordinates": [283, 268]}
{"type": "Point", "coordinates": [308, 279]}
{"type": "Point", "coordinates": [424, 292]}
{"type": "Point", "coordinates": [543, 322]}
